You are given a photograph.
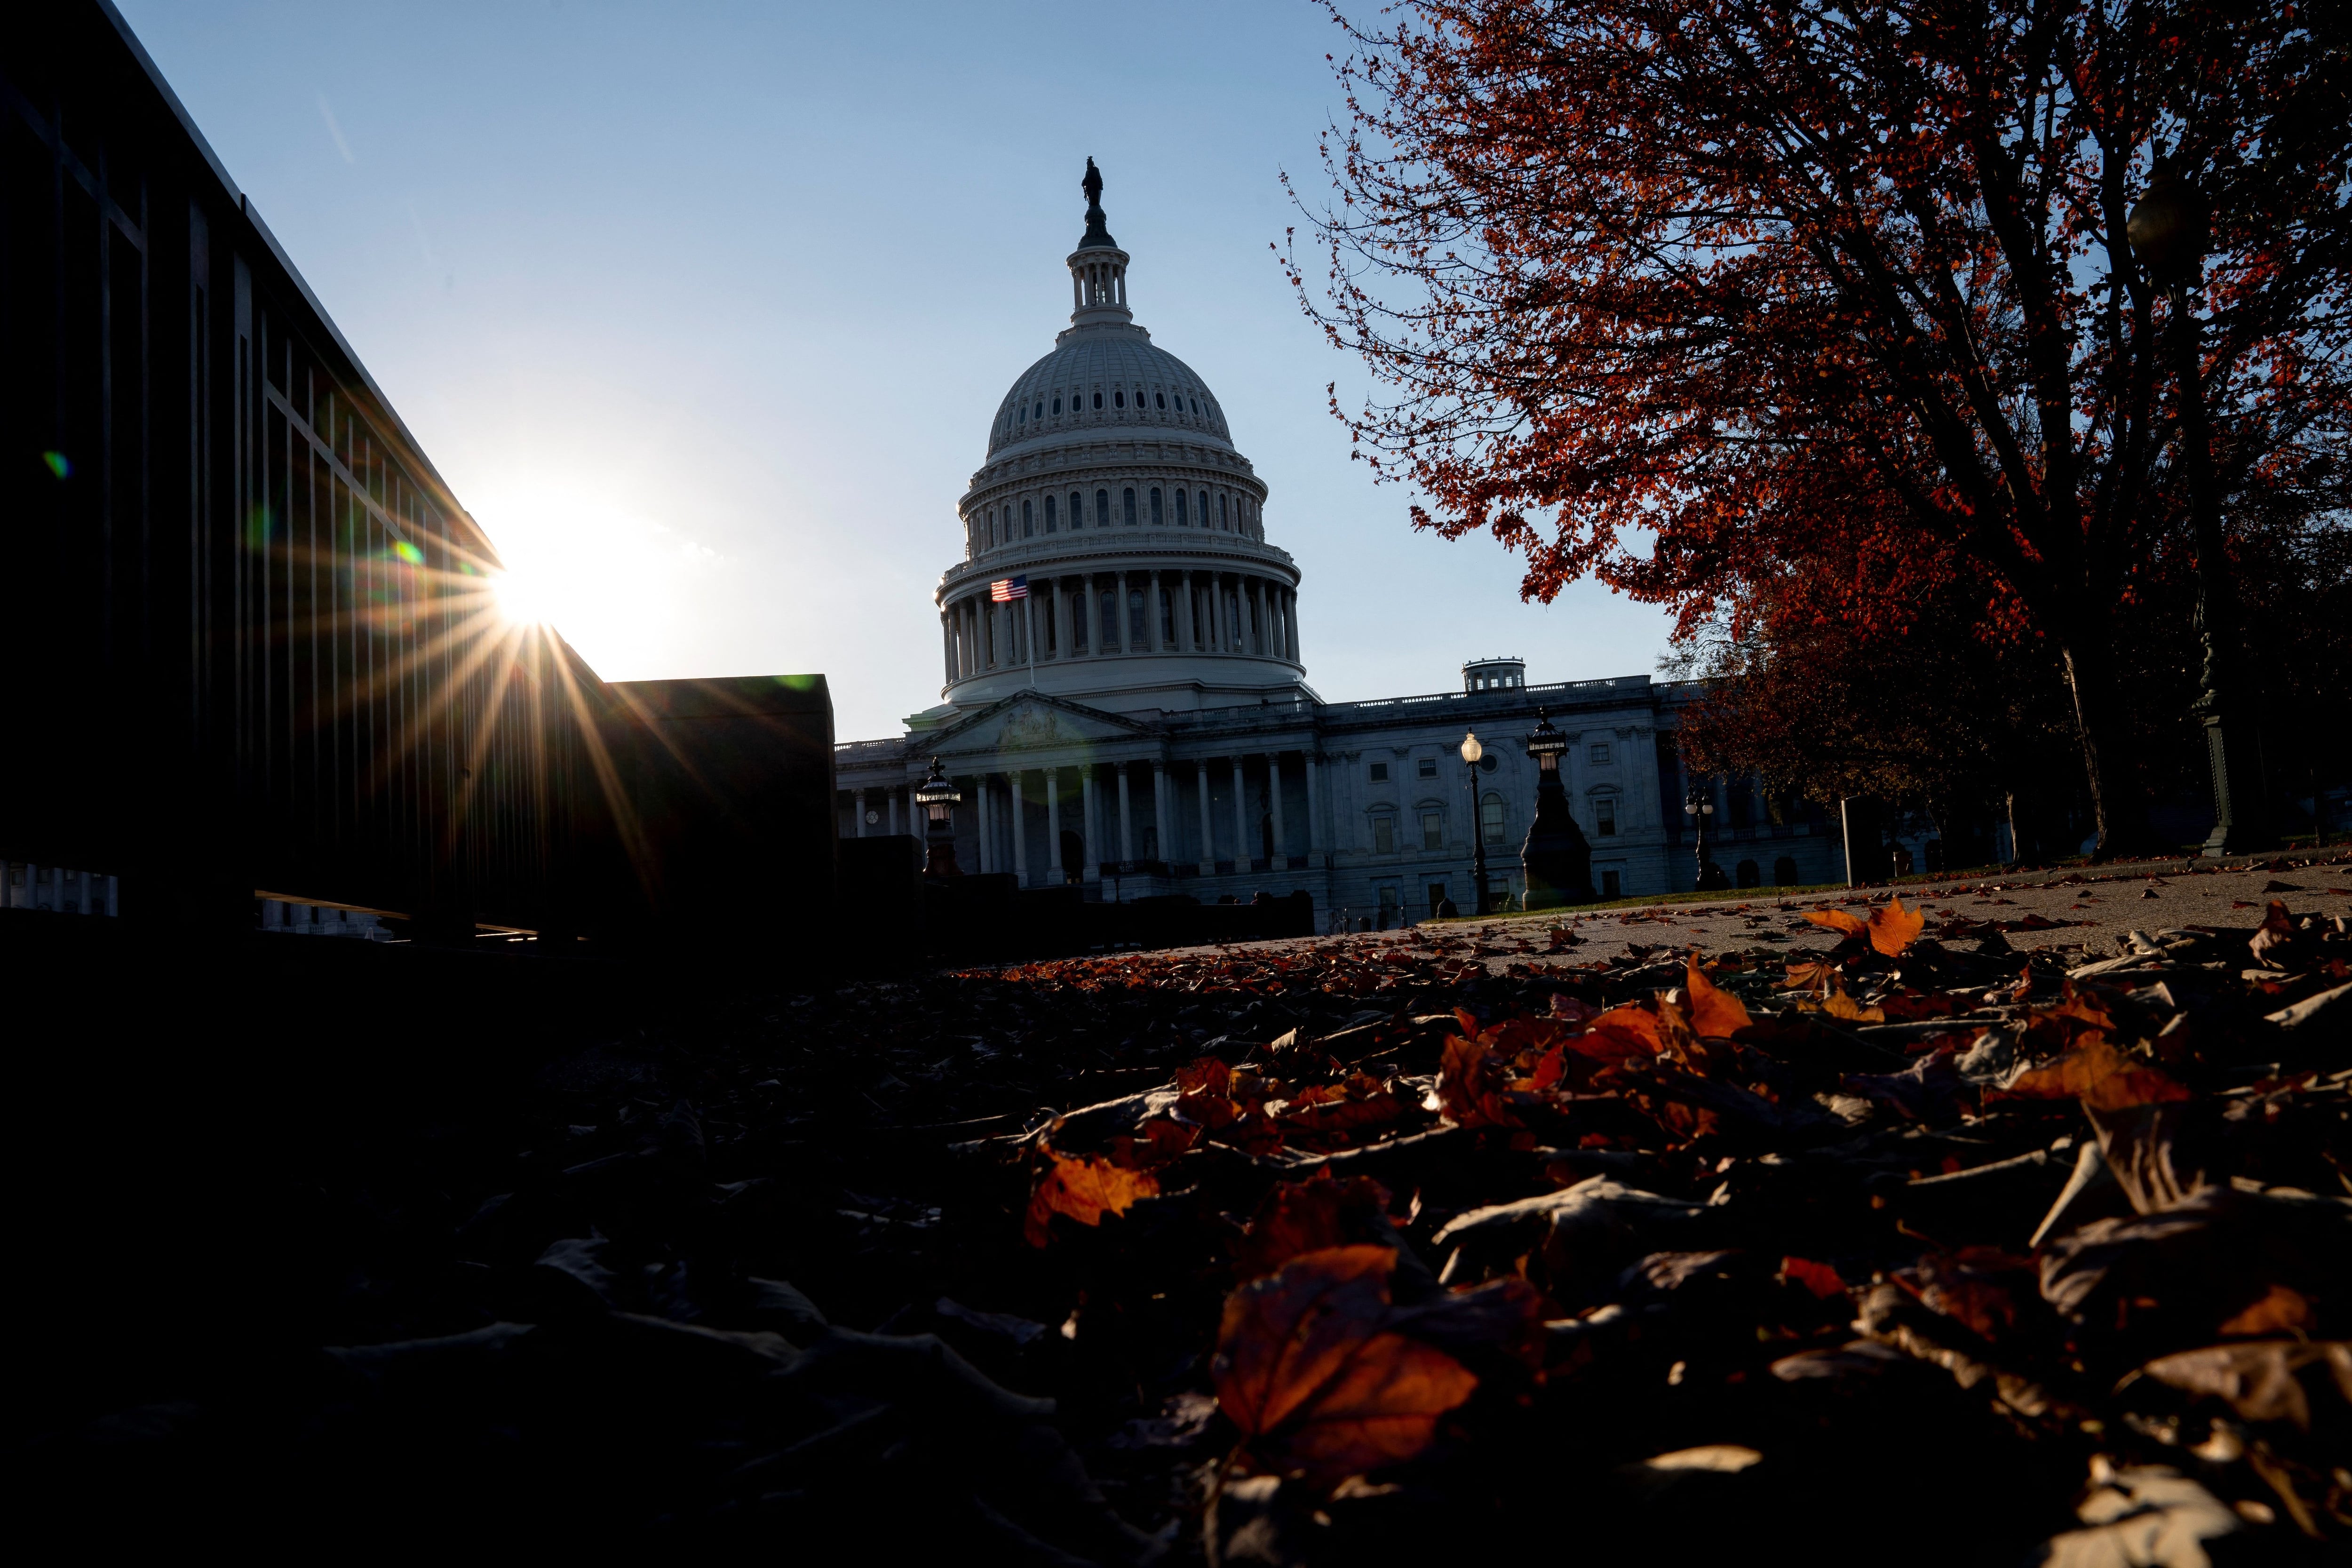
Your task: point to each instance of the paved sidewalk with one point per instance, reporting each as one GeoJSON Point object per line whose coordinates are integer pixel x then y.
{"type": "Point", "coordinates": [2089, 906]}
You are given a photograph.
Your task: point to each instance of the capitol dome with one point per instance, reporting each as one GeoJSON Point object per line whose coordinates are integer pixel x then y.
{"type": "Point", "coordinates": [1115, 548]}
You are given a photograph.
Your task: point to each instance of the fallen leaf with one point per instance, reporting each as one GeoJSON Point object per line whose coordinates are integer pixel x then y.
{"type": "Point", "coordinates": [2260, 1381]}
{"type": "Point", "coordinates": [1313, 1216]}
{"type": "Point", "coordinates": [1309, 1371]}
{"type": "Point", "coordinates": [1714, 1012]}
{"type": "Point", "coordinates": [1085, 1189]}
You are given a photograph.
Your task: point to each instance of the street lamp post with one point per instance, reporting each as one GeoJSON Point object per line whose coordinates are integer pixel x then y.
{"type": "Point", "coordinates": [1556, 861]}
{"type": "Point", "coordinates": [939, 798]}
{"type": "Point", "coordinates": [2169, 234]}
{"type": "Point", "coordinates": [1698, 808]}
{"type": "Point", "coordinates": [1471, 752]}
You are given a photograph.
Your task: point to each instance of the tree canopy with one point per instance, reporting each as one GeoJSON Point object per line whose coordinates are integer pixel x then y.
{"type": "Point", "coordinates": [1665, 293]}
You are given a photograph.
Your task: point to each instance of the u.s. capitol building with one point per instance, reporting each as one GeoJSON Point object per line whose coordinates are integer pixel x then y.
{"type": "Point", "coordinates": [1139, 721]}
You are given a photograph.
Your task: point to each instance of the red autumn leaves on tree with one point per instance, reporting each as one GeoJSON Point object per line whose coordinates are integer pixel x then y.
{"type": "Point", "coordinates": [1691, 297]}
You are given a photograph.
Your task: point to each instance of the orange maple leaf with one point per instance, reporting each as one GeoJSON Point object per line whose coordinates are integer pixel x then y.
{"type": "Point", "coordinates": [1714, 1014]}
{"type": "Point", "coordinates": [1890, 930]}
{"type": "Point", "coordinates": [1894, 928]}
{"type": "Point", "coordinates": [1310, 1373]}
{"type": "Point", "coordinates": [1085, 1189]}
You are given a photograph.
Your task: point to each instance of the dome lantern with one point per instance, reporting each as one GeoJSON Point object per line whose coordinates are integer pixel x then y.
{"type": "Point", "coordinates": [1098, 267]}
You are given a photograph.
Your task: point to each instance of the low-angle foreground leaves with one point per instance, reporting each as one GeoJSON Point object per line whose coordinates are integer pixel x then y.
{"type": "Point", "coordinates": [1886, 1243]}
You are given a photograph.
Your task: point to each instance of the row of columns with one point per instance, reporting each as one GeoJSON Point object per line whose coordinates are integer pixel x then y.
{"type": "Point", "coordinates": [1209, 611]}
{"type": "Point", "coordinates": [860, 803]}
{"type": "Point", "coordinates": [999, 797]}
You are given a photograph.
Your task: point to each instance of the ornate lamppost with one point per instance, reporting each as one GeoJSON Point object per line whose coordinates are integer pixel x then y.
{"type": "Point", "coordinates": [1698, 808]}
{"type": "Point", "coordinates": [1556, 860]}
{"type": "Point", "coordinates": [1471, 752]}
{"type": "Point", "coordinates": [2168, 233]}
{"type": "Point", "coordinates": [939, 798]}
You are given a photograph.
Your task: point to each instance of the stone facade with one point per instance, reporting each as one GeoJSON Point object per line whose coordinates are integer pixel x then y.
{"type": "Point", "coordinates": [1129, 710]}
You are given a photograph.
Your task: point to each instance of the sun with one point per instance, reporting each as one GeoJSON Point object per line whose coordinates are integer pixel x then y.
{"type": "Point", "coordinates": [522, 602]}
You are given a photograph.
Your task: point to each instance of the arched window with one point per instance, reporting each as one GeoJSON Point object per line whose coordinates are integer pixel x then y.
{"type": "Point", "coordinates": [1057, 405]}
{"type": "Point", "coordinates": [1221, 515]}
{"type": "Point", "coordinates": [1204, 509]}
{"type": "Point", "coordinates": [1182, 521]}
{"type": "Point", "coordinates": [1127, 507]}
{"type": "Point", "coordinates": [1159, 399]}
{"type": "Point", "coordinates": [1119, 398]}
{"type": "Point", "coordinates": [990, 535]}
{"type": "Point", "coordinates": [1049, 514]}
{"type": "Point", "coordinates": [1028, 520]}
{"type": "Point", "coordinates": [1077, 512]}
{"type": "Point", "coordinates": [1180, 403]}
{"type": "Point", "coordinates": [1021, 414]}
{"type": "Point", "coordinates": [1749, 875]}
{"type": "Point", "coordinates": [1041, 408]}
{"type": "Point", "coordinates": [1102, 503]}
{"type": "Point", "coordinates": [1109, 621]}
{"type": "Point", "coordinates": [1158, 518]}
{"type": "Point", "coordinates": [1604, 816]}
{"type": "Point", "coordinates": [1490, 819]}
{"type": "Point", "coordinates": [1097, 400]}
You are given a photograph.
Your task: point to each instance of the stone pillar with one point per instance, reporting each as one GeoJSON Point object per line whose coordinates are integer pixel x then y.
{"type": "Point", "coordinates": [1126, 830]}
{"type": "Point", "coordinates": [1273, 805]}
{"type": "Point", "coordinates": [1242, 850]}
{"type": "Point", "coordinates": [1292, 599]}
{"type": "Point", "coordinates": [890, 806]}
{"type": "Point", "coordinates": [1092, 871]}
{"type": "Point", "coordinates": [1207, 832]}
{"type": "Point", "coordinates": [1161, 786]}
{"type": "Point", "coordinates": [1125, 631]}
{"type": "Point", "coordinates": [1151, 617]}
{"type": "Point", "coordinates": [987, 855]}
{"type": "Point", "coordinates": [858, 808]}
{"type": "Point", "coordinates": [1015, 785]}
{"type": "Point", "coordinates": [1054, 873]}
{"type": "Point", "coordinates": [947, 643]}
{"type": "Point", "coordinates": [1180, 599]}
{"type": "Point", "coordinates": [1314, 810]}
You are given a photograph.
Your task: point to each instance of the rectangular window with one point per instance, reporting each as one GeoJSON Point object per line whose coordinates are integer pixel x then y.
{"type": "Point", "coordinates": [1597, 754]}
{"type": "Point", "coordinates": [1384, 836]}
{"type": "Point", "coordinates": [1490, 820]}
{"type": "Point", "coordinates": [1428, 767]}
{"type": "Point", "coordinates": [1436, 897]}
{"type": "Point", "coordinates": [1432, 830]}
{"type": "Point", "coordinates": [1611, 885]}
{"type": "Point", "coordinates": [1604, 818]}
{"type": "Point", "coordinates": [1380, 773]}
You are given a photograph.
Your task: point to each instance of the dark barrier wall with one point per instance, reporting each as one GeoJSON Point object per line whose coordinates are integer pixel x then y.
{"type": "Point", "coordinates": [247, 642]}
{"type": "Point", "coordinates": [728, 825]}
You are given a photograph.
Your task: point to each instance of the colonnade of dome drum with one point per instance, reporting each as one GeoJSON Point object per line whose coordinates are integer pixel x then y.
{"type": "Point", "coordinates": [1097, 615]}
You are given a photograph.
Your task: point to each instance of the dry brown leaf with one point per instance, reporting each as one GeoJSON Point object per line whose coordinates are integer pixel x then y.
{"type": "Point", "coordinates": [1085, 1189]}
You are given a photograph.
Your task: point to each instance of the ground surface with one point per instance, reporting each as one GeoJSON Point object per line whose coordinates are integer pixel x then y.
{"type": "Point", "coordinates": [1971, 1239]}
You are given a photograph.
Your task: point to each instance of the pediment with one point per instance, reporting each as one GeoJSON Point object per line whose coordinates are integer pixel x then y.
{"type": "Point", "coordinates": [1034, 722]}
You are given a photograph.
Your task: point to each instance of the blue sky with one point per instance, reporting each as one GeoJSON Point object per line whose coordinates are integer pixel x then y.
{"type": "Point", "coordinates": [704, 309]}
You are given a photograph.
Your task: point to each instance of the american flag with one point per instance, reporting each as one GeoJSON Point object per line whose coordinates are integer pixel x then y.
{"type": "Point", "coordinates": [1005, 590]}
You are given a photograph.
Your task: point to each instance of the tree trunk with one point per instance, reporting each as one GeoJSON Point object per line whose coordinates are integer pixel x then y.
{"type": "Point", "coordinates": [2116, 802]}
